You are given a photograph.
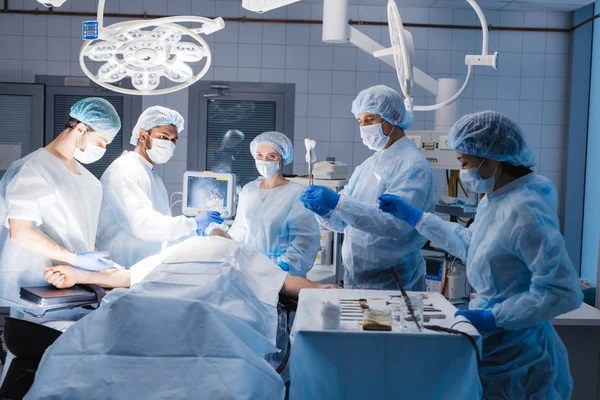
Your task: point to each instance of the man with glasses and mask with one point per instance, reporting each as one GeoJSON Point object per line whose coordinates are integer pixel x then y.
{"type": "Point", "coordinates": [50, 203]}
{"type": "Point", "coordinates": [136, 219]}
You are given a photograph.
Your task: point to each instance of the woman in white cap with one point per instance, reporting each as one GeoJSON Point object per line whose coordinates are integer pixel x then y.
{"type": "Point", "coordinates": [270, 216]}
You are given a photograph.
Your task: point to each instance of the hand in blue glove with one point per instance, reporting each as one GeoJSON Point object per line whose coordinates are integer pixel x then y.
{"type": "Point", "coordinates": [93, 261]}
{"type": "Point", "coordinates": [482, 320]}
{"type": "Point", "coordinates": [320, 196]}
{"type": "Point", "coordinates": [205, 218]}
{"type": "Point", "coordinates": [400, 209]}
{"type": "Point", "coordinates": [319, 211]}
{"type": "Point", "coordinates": [284, 266]}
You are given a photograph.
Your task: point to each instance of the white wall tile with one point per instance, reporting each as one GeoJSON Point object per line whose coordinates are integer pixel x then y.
{"type": "Point", "coordinates": [34, 48]}
{"type": "Point", "coordinates": [370, 13]}
{"type": "Point", "coordinates": [273, 56]}
{"type": "Point", "coordinates": [299, 77]}
{"type": "Point", "coordinates": [532, 89]}
{"type": "Point", "coordinates": [439, 39]}
{"type": "Point", "coordinates": [511, 42]}
{"type": "Point", "coordinates": [438, 61]}
{"type": "Point", "coordinates": [154, 7]}
{"type": "Point", "coordinates": [301, 105]}
{"type": "Point", "coordinates": [298, 11]}
{"type": "Point", "coordinates": [300, 128]}
{"type": "Point", "coordinates": [58, 67]}
{"type": "Point", "coordinates": [553, 136]}
{"type": "Point", "coordinates": [228, 8]}
{"type": "Point", "coordinates": [225, 73]}
{"type": "Point", "coordinates": [271, 75]}
{"type": "Point", "coordinates": [512, 19]}
{"type": "Point", "coordinates": [230, 34]}
{"type": "Point", "coordinates": [321, 57]}
{"type": "Point", "coordinates": [556, 89]}
{"type": "Point", "coordinates": [342, 130]}
{"type": "Point", "coordinates": [510, 65]}
{"type": "Point", "coordinates": [558, 43]}
{"type": "Point", "coordinates": [533, 134]}
{"type": "Point", "coordinates": [11, 47]}
{"type": "Point", "coordinates": [11, 24]}
{"type": "Point", "coordinates": [341, 106]}
{"type": "Point", "coordinates": [485, 87]}
{"type": "Point", "coordinates": [463, 40]}
{"type": "Point", "coordinates": [560, 20]}
{"type": "Point", "coordinates": [533, 65]}
{"type": "Point", "coordinates": [274, 33]}
{"type": "Point", "coordinates": [11, 70]}
{"type": "Point", "coordinates": [297, 57]}
{"type": "Point", "coordinates": [510, 108]}
{"type": "Point", "coordinates": [509, 87]}
{"type": "Point", "coordinates": [125, 7]}
{"type": "Point", "coordinates": [551, 160]}
{"type": "Point", "coordinates": [344, 82]}
{"type": "Point", "coordinates": [250, 32]}
{"type": "Point", "coordinates": [319, 105]}
{"type": "Point", "coordinates": [367, 63]}
{"type": "Point", "coordinates": [58, 49]}
{"type": "Point", "coordinates": [320, 82]}
{"type": "Point", "coordinates": [34, 25]}
{"type": "Point", "coordinates": [250, 55]}
{"type": "Point", "coordinates": [249, 74]}
{"type": "Point", "coordinates": [557, 65]}
{"type": "Point", "coordinates": [318, 129]}
{"type": "Point", "coordinates": [343, 152]}
{"type": "Point", "coordinates": [530, 112]}
{"type": "Point", "coordinates": [534, 42]}
{"type": "Point", "coordinates": [297, 34]}
{"type": "Point", "coordinates": [60, 26]}
{"type": "Point", "coordinates": [415, 15]}
{"type": "Point", "coordinates": [344, 58]}
{"type": "Point", "coordinates": [33, 68]}
{"type": "Point", "coordinates": [555, 112]}
{"type": "Point", "coordinates": [226, 54]}
{"type": "Point", "coordinates": [535, 19]}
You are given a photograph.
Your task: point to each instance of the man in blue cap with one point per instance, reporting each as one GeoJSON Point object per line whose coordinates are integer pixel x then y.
{"type": "Point", "coordinates": [50, 203]}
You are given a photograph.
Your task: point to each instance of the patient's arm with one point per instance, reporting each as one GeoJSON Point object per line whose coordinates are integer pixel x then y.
{"type": "Point", "coordinates": [293, 285]}
{"type": "Point", "coordinates": [218, 232]}
{"type": "Point", "coordinates": [65, 276]}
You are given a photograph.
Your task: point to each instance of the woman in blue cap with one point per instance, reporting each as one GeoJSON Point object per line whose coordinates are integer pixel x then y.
{"type": "Point", "coordinates": [50, 203]}
{"type": "Point", "coordinates": [516, 259]}
{"type": "Point", "coordinates": [270, 216]}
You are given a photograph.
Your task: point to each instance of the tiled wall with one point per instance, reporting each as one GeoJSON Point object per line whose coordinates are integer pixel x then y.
{"type": "Point", "coordinates": [531, 86]}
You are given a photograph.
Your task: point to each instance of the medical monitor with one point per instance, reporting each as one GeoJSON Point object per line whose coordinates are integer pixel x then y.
{"type": "Point", "coordinates": [208, 191]}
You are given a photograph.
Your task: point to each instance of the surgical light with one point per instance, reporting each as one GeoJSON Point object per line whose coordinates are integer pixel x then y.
{"type": "Point", "coordinates": [261, 6]}
{"type": "Point", "coordinates": [148, 51]}
{"type": "Point", "coordinates": [402, 51]}
{"type": "Point", "coordinates": [52, 3]}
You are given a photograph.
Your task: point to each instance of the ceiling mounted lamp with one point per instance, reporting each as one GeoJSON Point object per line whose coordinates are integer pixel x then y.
{"type": "Point", "coordinates": [148, 52]}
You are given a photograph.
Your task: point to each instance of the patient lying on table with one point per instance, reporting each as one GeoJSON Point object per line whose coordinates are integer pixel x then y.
{"type": "Point", "coordinates": [197, 322]}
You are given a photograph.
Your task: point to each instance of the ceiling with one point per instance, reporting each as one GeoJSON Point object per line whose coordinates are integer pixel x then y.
{"type": "Point", "coordinates": [512, 5]}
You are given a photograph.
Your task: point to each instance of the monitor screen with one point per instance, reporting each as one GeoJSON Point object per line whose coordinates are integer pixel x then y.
{"type": "Point", "coordinates": [207, 193]}
{"type": "Point", "coordinates": [433, 266]}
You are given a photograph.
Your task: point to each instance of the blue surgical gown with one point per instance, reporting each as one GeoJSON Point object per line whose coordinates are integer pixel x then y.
{"type": "Point", "coordinates": [275, 222]}
{"type": "Point", "coordinates": [375, 241]}
{"type": "Point", "coordinates": [517, 263]}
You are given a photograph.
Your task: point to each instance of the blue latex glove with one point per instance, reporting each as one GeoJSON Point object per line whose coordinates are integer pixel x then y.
{"type": "Point", "coordinates": [284, 266]}
{"type": "Point", "coordinates": [400, 209]}
{"type": "Point", "coordinates": [92, 261]}
{"type": "Point", "coordinates": [319, 211]}
{"type": "Point", "coordinates": [320, 196]}
{"type": "Point", "coordinates": [482, 320]}
{"type": "Point", "coordinates": [205, 218]}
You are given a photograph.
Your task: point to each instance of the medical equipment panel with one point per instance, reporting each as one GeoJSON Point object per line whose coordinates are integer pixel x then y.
{"type": "Point", "coordinates": [434, 274]}
{"type": "Point", "coordinates": [209, 191]}
{"type": "Point", "coordinates": [434, 147]}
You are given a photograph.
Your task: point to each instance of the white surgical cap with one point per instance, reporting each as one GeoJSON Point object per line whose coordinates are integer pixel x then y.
{"type": "Point", "coordinates": [489, 134]}
{"type": "Point", "coordinates": [156, 116]}
{"type": "Point", "coordinates": [278, 140]}
{"type": "Point", "coordinates": [99, 114]}
{"type": "Point", "coordinates": [385, 102]}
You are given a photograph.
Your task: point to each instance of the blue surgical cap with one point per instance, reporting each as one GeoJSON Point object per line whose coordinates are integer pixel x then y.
{"type": "Point", "coordinates": [489, 134]}
{"type": "Point", "coordinates": [156, 116]}
{"type": "Point", "coordinates": [385, 102]}
{"type": "Point", "coordinates": [278, 140]}
{"type": "Point", "coordinates": [99, 114]}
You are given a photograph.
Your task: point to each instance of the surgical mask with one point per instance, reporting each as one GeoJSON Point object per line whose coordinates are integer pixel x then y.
{"type": "Point", "coordinates": [91, 154]}
{"type": "Point", "coordinates": [267, 168]}
{"type": "Point", "coordinates": [475, 183]}
{"type": "Point", "coordinates": [161, 151]}
{"type": "Point", "coordinates": [373, 137]}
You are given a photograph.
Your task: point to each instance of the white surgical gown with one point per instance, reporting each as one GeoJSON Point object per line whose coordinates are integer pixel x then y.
{"type": "Point", "coordinates": [62, 205]}
{"type": "Point", "coordinates": [275, 222]}
{"type": "Point", "coordinates": [375, 241]}
{"type": "Point", "coordinates": [136, 219]}
{"type": "Point", "coordinates": [517, 262]}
